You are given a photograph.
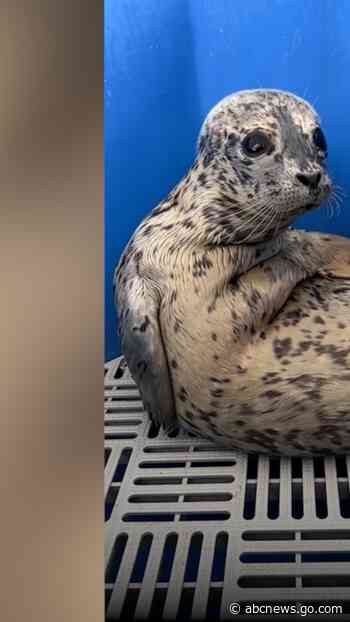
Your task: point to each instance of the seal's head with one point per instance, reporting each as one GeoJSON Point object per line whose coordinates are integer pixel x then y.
{"type": "Point", "coordinates": [265, 151]}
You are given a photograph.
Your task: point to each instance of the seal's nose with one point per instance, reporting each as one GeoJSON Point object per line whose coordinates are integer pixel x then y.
{"type": "Point", "coordinates": [310, 181]}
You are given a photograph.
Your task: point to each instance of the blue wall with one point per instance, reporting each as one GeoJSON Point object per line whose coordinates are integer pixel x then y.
{"type": "Point", "coordinates": [167, 62]}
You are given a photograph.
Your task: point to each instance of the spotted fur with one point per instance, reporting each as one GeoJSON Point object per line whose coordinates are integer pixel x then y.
{"type": "Point", "coordinates": [233, 325]}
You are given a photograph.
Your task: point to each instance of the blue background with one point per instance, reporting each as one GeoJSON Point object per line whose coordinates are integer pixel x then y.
{"type": "Point", "coordinates": [167, 62]}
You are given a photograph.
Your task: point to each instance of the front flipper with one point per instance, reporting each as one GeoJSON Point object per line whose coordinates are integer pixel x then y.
{"type": "Point", "coordinates": [138, 303]}
{"type": "Point", "coordinates": [338, 266]}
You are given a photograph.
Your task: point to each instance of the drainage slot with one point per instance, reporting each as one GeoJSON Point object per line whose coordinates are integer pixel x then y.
{"type": "Point", "coordinates": [162, 465]}
{"type": "Point", "coordinates": [141, 559]}
{"type": "Point", "coordinates": [108, 452]}
{"type": "Point", "coordinates": [297, 468]}
{"type": "Point", "coordinates": [219, 560]}
{"type": "Point", "coordinates": [153, 498]}
{"type": "Point", "coordinates": [340, 463]}
{"type": "Point", "coordinates": [274, 468]}
{"type": "Point", "coordinates": [193, 558]}
{"type": "Point", "coordinates": [167, 560]}
{"type": "Point", "coordinates": [108, 594]}
{"type": "Point", "coordinates": [252, 467]}
{"type": "Point", "coordinates": [130, 602]}
{"type": "Point", "coordinates": [250, 489]}
{"type": "Point", "coordinates": [337, 556]}
{"type": "Point", "coordinates": [116, 558]}
{"type": "Point", "coordinates": [267, 558]}
{"type": "Point", "coordinates": [297, 488]}
{"type": "Point", "coordinates": [205, 448]}
{"type": "Point", "coordinates": [319, 471]}
{"type": "Point", "coordinates": [205, 516]}
{"type": "Point", "coordinates": [158, 602]}
{"type": "Point", "coordinates": [214, 497]}
{"type": "Point", "coordinates": [266, 581]}
{"type": "Point", "coordinates": [344, 498]}
{"type": "Point", "coordinates": [111, 498]}
{"type": "Point", "coordinates": [326, 581]}
{"type": "Point", "coordinates": [214, 463]}
{"type": "Point", "coordinates": [119, 435]}
{"type": "Point", "coordinates": [339, 534]}
{"type": "Point", "coordinates": [157, 481]}
{"type": "Point", "coordinates": [165, 449]}
{"type": "Point", "coordinates": [121, 422]}
{"type": "Point", "coordinates": [211, 479]}
{"type": "Point", "coordinates": [249, 501]}
{"type": "Point", "coordinates": [214, 603]}
{"type": "Point", "coordinates": [185, 605]}
{"type": "Point", "coordinates": [147, 518]}
{"type": "Point", "coordinates": [297, 500]}
{"type": "Point", "coordinates": [321, 499]}
{"type": "Point", "coordinates": [273, 500]}
{"type": "Point", "coordinates": [122, 465]}
{"type": "Point", "coordinates": [268, 535]}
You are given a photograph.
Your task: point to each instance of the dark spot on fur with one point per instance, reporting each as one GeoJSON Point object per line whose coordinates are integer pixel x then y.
{"type": "Point", "coordinates": [246, 410]}
{"type": "Point", "coordinates": [216, 392]}
{"type": "Point", "coordinates": [281, 347]}
{"type": "Point", "coordinates": [319, 320]}
{"type": "Point", "coordinates": [187, 223]}
{"type": "Point", "coordinates": [271, 394]}
{"type": "Point", "coordinates": [341, 290]}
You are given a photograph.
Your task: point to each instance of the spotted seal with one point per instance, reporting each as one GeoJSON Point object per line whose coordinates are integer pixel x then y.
{"type": "Point", "coordinates": [234, 325]}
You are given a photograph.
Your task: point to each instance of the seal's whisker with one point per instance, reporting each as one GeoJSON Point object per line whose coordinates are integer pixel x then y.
{"type": "Point", "coordinates": [265, 223]}
{"type": "Point", "coordinates": [333, 206]}
{"type": "Point", "coordinates": [339, 189]}
{"type": "Point", "coordinates": [337, 201]}
{"type": "Point", "coordinates": [340, 193]}
{"type": "Point", "coordinates": [256, 219]}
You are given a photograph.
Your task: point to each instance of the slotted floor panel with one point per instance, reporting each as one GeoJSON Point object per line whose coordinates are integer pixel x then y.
{"type": "Point", "coordinates": [191, 528]}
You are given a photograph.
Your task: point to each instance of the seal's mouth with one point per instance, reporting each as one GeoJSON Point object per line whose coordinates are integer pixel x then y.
{"type": "Point", "coordinates": [317, 196]}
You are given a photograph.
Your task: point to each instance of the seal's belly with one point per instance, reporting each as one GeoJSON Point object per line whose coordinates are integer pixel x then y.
{"type": "Point", "coordinates": [286, 390]}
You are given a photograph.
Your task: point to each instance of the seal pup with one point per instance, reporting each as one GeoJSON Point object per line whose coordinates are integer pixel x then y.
{"type": "Point", "coordinates": [234, 326]}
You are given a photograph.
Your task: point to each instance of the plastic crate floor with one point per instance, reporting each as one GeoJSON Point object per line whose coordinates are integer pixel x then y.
{"type": "Point", "coordinates": [191, 528]}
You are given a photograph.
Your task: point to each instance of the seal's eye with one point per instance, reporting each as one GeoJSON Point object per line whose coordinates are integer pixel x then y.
{"type": "Point", "coordinates": [256, 143]}
{"type": "Point", "coordinates": [320, 140]}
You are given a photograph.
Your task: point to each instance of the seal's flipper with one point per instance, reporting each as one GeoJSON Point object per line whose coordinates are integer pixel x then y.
{"type": "Point", "coordinates": [142, 345]}
{"type": "Point", "coordinates": [338, 267]}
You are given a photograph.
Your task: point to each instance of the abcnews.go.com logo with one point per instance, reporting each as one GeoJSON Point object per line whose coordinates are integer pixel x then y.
{"type": "Point", "coordinates": [301, 609]}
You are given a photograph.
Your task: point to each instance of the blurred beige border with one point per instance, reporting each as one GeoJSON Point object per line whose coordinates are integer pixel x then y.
{"type": "Point", "coordinates": [51, 310]}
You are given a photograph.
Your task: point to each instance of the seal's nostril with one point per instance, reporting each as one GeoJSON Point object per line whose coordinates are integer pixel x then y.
{"type": "Point", "coordinates": [310, 181]}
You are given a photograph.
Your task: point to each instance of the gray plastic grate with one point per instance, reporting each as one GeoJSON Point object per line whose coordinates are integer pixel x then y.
{"type": "Point", "coordinates": [191, 528]}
